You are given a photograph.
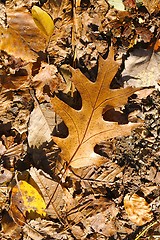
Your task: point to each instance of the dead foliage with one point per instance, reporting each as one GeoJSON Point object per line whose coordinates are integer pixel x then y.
{"type": "Point", "coordinates": [79, 119]}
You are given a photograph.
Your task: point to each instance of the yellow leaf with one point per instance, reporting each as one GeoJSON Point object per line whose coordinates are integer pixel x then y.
{"type": "Point", "coordinates": [33, 201]}
{"type": "Point", "coordinates": [43, 21]}
{"type": "Point", "coordinates": [25, 198]}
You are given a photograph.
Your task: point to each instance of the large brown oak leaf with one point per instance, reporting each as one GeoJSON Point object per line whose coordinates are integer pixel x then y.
{"type": "Point", "coordinates": [86, 126]}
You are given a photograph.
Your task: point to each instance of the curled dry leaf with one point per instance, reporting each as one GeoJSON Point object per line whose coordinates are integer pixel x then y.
{"type": "Point", "coordinates": [48, 77]}
{"type": "Point", "coordinates": [25, 198]}
{"type": "Point", "coordinates": [5, 103]}
{"type": "Point", "coordinates": [13, 44]}
{"type": "Point", "coordinates": [87, 126]}
{"type": "Point", "coordinates": [138, 210]}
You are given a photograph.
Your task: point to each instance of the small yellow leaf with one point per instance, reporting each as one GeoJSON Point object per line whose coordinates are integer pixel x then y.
{"type": "Point", "coordinates": [43, 21]}
{"type": "Point", "coordinates": [33, 201]}
{"type": "Point", "coordinates": [25, 198]}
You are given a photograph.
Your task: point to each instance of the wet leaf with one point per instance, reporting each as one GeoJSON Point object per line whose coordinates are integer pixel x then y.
{"type": "Point", "coordinates": [43, 21]}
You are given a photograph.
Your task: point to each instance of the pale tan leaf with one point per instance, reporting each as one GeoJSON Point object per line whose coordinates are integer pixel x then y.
{"type": "Point", "coordinates": [2, 148]}
{"type": "Point", "coordinates": [118, 4]}
{"type": "Point", "coordinates": [142, 68]}
{"type": "Point", "coordinates": [5, 175]}
{"type": "Point", "coordinates": [52, 192]}
{"type": "Point", "coordinates": [138, 210]}
{"type": "Point", "coordinates": [48, 76]}
{"type": "Point", "coordinates": [41, 125]}
{"type": "Point", "coordinates": [87, 126]}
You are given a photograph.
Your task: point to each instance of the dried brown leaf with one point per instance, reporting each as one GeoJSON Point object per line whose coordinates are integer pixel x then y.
{"type": "Point", "coordinates": [9, 228]}
{"type": "Point", "coordinates": [21, 121]}
{"type": "Point", "coordinates": [48, 77]}
{"type": "Point", "coordinates": [152, 6]}
{"type": "Point", "coordinates": [5, 102]}
{"type": "Point", "coordinates": [13, 44]}
{"type": "Point", "coordinates": [86, 126]}
{"type": "Point", "coordinates": [138, 210]}
{"type": "Point", "coordinates": [20, 19]}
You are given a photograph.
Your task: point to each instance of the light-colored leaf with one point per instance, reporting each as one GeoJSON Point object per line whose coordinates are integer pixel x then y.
{"type": "Point", "coordinates": [5, 175]}
{"type": "Point", "coordinates": [142, 68]}
{"type": "Point", "coordinates": [138, 210]}
{"type": "Point", "coordinates": [51, 190]}
{"type": "Point", "coordinates": [43, 21]}
{"type": "Point", "coordinates": [87, 126]}
{"type": "Point", "coordinates": [25, 198]}
{"type": "Point", "coordinates": [41, 125]}
{"type": "Point", "coordinates": [118, 4]}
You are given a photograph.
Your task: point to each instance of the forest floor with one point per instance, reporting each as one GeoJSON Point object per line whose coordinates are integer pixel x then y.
{"type": "Point", "coordinates": [81, 78]}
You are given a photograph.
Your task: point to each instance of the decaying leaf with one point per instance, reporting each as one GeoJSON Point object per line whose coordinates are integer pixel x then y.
{"type": "Point", "coordinates": [152, 5]}
{"type": "Point", "coordinates": [5, 102]}
{"type": "Point", "coordinates": [43, 21]}
{"type": "Point", "coordinates": [9, 228]}
{"type": "Point", "coordinates": [21, 121]}
{"type": "Point", "coordinates": [86, 126]}
{"type": "Point", "coordinates": [5, 175]}
{"type": "Point", "coordinates": [142, 68]}
{"type": "Point", "coordinates": [138, 210]}
{"type": "Point", "coordinates": [13, 44]}
{"type": "Point", "coordinates": [25, 198]}
{"type": "Point", "coordinates": [47, 78]}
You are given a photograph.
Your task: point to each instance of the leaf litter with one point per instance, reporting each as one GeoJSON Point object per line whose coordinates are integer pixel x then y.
{"type": "Point", "coordinates": [84, 190]}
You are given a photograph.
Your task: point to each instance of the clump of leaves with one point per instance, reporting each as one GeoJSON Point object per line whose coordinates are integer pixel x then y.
{"type": "Point", "coordinates": [87, 126]}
